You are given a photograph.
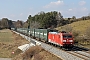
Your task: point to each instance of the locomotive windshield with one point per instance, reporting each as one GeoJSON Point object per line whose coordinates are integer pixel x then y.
{"type": "Point", "coordinates": [67, 36]}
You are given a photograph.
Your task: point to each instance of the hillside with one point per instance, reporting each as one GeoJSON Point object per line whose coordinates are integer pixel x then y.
{"type": "Point", "coordinates": [80, 26]}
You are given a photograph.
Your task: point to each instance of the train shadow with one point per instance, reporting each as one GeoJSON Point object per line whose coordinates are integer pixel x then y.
{"type": "Point", "coordinates": [77, 48]}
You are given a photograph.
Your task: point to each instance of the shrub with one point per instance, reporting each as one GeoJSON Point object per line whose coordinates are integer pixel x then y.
{"type": "Point", "coordinates": [88, 33]}
{"type": "Point", "coordinates": [33, 51]}
{"type": "Point", "coordinates": [75, 34]}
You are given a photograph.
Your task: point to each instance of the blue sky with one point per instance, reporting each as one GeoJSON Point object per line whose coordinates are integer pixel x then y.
{"type": "Point", "coordinates": [21, 9]}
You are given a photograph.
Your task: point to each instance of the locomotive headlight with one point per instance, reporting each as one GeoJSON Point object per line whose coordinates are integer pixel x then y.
{"type": "Point", "coordinates": [64, 40]}
{"type": "Point", "coordinates": [70, 40]}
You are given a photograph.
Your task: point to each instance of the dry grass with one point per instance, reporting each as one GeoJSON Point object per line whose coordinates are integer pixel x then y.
{"type": "Point", "coordinates": [32, 52]}
{"type": "Point", "coordinates": [9, 43]}
{"type": "Point", "coordinates": [36, 53]}
{"type": "Point", "coordinates": [80, 26]}
{"type": "Point", "coordinates": [5, 36]}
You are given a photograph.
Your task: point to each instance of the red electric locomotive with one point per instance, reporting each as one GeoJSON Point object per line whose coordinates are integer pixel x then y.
{"type": "Point", "coordinates": [61, 39]}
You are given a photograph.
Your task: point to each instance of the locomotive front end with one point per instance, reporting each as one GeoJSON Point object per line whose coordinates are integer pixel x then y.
{"type": "Point", "coordinates": [67, 40]}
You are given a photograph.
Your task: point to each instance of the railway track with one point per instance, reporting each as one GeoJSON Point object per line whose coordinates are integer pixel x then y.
{"type": "Point", "coordinates": [80, 52]}
{"type": "Point", "coordinates": [76, 53]}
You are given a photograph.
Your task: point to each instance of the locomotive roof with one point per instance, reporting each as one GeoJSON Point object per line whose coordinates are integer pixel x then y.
{"type": "Point", "coordinates": [53, 32]}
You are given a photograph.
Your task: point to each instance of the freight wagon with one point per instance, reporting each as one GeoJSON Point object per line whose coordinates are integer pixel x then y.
{"type": "Point", "coordinates": [51, 36]}
{"type": "Point", "coordinates": [42, 34]}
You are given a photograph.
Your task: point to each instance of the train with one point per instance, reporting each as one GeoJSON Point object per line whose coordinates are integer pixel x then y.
{"type": "Point", "coordinates": [62, 39]}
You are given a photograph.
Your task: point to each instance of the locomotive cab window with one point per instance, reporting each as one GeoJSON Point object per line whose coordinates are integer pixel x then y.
{"type": "Point", "coordinates": [67, 36]}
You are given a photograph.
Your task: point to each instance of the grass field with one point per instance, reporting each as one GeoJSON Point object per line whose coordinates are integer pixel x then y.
{"type": "Point", "coordinates": [80, 26]}
{"type": "Point", "coordinates": [6, 36]}
{"type": "Point", "coordinates": [9, 43]}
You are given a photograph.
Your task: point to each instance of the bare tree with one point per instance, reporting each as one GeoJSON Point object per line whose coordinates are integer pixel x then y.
{"type": "Point", "coordinates": [59, 16]}
{"type": "Point", "coordinates": [35, 24]}
{"type": "Point", "coordinates": [4, 23]}
{"type": "Point", "coordinates": [25, 25]}
{"type": "Point", "coordinates": [59, 19]}
{"type": "Point", "coordinates": [19, 24]}
{"type": "Point", "coordinates": [73, 17]}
